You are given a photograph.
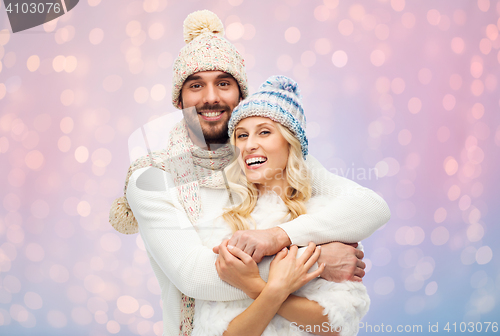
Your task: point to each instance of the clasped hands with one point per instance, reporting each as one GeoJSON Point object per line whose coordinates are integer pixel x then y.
{"type": "Point", "coordinates": [342, 261]}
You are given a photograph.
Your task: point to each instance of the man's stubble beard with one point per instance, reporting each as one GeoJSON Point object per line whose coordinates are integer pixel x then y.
{"type": "Point", "coordinates": [216, 134]}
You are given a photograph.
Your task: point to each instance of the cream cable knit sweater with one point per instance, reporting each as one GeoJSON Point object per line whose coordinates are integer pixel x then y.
{"type": "Point", "coordinates": [182, 263]}
{"type": "Point", "coordinates": [344, 303]}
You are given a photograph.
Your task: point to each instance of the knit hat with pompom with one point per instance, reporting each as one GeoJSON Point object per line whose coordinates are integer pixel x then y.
{"type": "Point", "coordinates": [278, 99]}
{"type": "Point", "coordinates": [206, 50]}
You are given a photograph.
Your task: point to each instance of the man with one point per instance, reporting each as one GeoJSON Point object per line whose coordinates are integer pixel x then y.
{"type": "Point", "coordinates": [209, 75]}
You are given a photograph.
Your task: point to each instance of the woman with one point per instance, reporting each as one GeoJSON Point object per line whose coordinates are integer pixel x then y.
{"type": "Point", "coordinates": [272, 184]}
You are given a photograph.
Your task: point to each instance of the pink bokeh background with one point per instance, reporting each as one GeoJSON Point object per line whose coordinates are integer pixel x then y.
{"type": "Point", "coordinates": [400, 96]}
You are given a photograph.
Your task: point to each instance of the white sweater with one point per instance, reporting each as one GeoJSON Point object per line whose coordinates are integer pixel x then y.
{"type": "Point", "coordinates": [183, 264]}
{"type": "Point", "coordinates": [344, 303]}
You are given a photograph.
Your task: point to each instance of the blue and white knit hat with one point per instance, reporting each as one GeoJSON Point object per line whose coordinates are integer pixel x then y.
{"type": "Point", "coordinates": [278, 99]}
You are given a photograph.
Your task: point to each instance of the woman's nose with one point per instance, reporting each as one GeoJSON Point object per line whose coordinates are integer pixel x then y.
{"type": "Point", "coordinates": [251, 144]}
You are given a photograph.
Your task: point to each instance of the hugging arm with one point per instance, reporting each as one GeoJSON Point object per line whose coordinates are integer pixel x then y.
{"type": "Point", "coordinates": [353, 212]}
{"type": "Point", "coordinates": [288, 273]}
{"type": "Point", "coordinates": [176, 247]}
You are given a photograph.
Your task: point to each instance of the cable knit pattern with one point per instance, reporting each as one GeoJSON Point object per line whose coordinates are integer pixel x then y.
{"type": "Point", "coordinates": [345, 303]}
{"type": "Point", "coordinates": [206, 50]}
{"type": "Point", "coordinates": [183, 264]}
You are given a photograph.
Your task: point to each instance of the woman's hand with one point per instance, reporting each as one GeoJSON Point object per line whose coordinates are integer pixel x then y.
{"type": "Point", "coordinates": [289, 273]}
{"type": "Point", "coordinates": [239, 270]}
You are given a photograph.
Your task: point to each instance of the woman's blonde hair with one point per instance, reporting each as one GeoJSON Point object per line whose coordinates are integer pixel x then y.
{"type": "Point", "coordinates": [297, 193]}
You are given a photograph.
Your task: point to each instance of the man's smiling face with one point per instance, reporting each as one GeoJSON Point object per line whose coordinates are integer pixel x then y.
{"type": "Point", "coordinates": [214, 94]}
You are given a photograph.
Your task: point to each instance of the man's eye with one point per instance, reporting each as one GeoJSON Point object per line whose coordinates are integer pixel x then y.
{"type": "Point", "coordinates": [241, 136]}
{"type": "Point", "coordinates": [195, 86]}
{"type": "Point", "coordinates": [224, 84]}
{"type": "Point", "coordinates": [265, 132]}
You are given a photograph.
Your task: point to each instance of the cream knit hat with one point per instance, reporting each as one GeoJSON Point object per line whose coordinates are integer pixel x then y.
{"type": "Point", "coordinates": [206, 50]}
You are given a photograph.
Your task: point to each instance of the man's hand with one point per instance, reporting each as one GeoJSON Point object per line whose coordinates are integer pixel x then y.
{"type": "Point", "coordinates": [259, 243]}
{"type": "Point", "coordinates": [343, 262]}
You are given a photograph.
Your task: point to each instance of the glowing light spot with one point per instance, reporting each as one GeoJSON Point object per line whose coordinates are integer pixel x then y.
{"type": "Point", "coordinates": [33, 301]}
{"type": "Point", "coordinates": [101, 157]}
{"type": "Point", "coordinates": [398, 5]}
{"type": "Point", "coordinates": [94, 284]}
{"type": "Point", "coordinates": [483, 5]}
{"type": "Point", "coordinates": [476, 69]}
{"type": "Point", "coordinates": [4, 37]}
{"type": "Point", "coordinates": [491, 82]}
{"type": "Point", "coordinates": [112, 83]}
{"type": "Point", "coordinates": [398, 85]}
{"type": "Point", "coordinates": [433, 17]}
{"type": "Point", "coordinates": [33, 63]}
{"type": "Point", "coordinates": [440, 215]}
{"type": "Point", "coordinates": [64, 144]}
{"type": "Point", "coordinates": [475, 232]}
{"type": "Point", "coordinates": [332, 4]}
{"type": "Point", "coordinates": [449, 102]}
{"type": "Point", "coordinates": [308, 58]}
{"type": "Point", "coordinates": [377, 58]}
{"type": "Point", "coordinates": [57, 319]}
{"type": "Point", "coordinates": [113, 327]}
{"type": "Point", "coordinates": [485, 46]}
{"type": "Point", "coordinates": [40, 209]}
{"type": "Point", "coordinates": [67, 97]}
{"type": "Point", "coordinates": [16, 177]}
{"type": "Point", "coordinates": [150, 6]}
{"type": "Point", "coordinates": [96, 36]}
{"type": "Point", "coordinates": [382, 31]}
{"type": "Point", "coordinates": [457, 45]}
{"type": "Point", "coordinates": [440, 236]}
{"type": "Point", "coordinates": [454, 192]}
{"type": "Point", "coordinates": [156, 31]}
{"type": "Point", "coordinates": [83, 208]}
{"type": "Point", "coordinates": [292, 35]}
{"type": "Point", "coordinates": [404, 137]}
{"type": "Point", "coordinates": [383, 84]}
{"type": "Point", "coordinates": [383, 286]}
{"type": "Point", "coordinates": [492, 32]}
{"type": "Point", "coordinates": [484, 255]}
{"type": "Point", "coordinates": [111, 242]}
{"type": "Point", "coordinates": [321, 13]}
{"type": "Point", "coordinates": [414, 105]}
{"type": "Point", "coordinates": [94, 3]}
{"type": "Point", "coordinates": [235, 31]}
{"type": "Point", "coordinates": [158, 92]}
{"type": "Point", "coordinates": [141, 95]}
{"type": "Point", "coordinates": [249, 32]}
{"type": "Point", "coordinates": [59, 273]}
{"type": "Point", "coordinates": [81, 154]}
{"type": "Point", "coordinates": [408, 20]}
{"type": "Point", "coordinates": [477, 87]}
{"type": "Point", "coordinates": [431, 288]}
{"type": "Point", "coordinates": [3, 88]}
{"type": "Point", "coordinates": [34, 160]}
{"type": "Point", "coordinates": [59, 63]}
{"type": "Point", "coordinates": [450, 165]}
{"type": "Point", "coordinates": [127, 304]}
{"type": "Point", "coordinates": [66, 125]}
{"type": "Point", "coordinates": [70, 64]}
{"type": "Point", "coordinates": [339, 58]}
{"type": "Point", "coordinates": [147, 311]}
{"type": "Point", "coordinates": [346, 27]}
{"type": "Point", "coordinates": [357, 12]}
{"type": "Point", "coordinates": [133, 28]}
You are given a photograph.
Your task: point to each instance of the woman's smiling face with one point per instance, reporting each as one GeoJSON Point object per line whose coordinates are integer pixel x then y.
{"type": "Point", "coordinates": [263, 151]}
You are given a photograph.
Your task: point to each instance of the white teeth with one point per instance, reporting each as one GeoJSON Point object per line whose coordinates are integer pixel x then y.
{"type": "Point", "coordinates": [255, 159]}
{"type": "Point", "coordinates": [211, 114]}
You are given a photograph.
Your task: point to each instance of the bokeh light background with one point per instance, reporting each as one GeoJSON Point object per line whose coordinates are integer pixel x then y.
{"type": "Point", "coordinates": [409, 88]}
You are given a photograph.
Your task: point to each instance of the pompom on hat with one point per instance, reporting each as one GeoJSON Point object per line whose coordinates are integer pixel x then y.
{"type": "Point", "coordinates": [278, 99]}
{"type": "Point", "coordinates": [206, 50]}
